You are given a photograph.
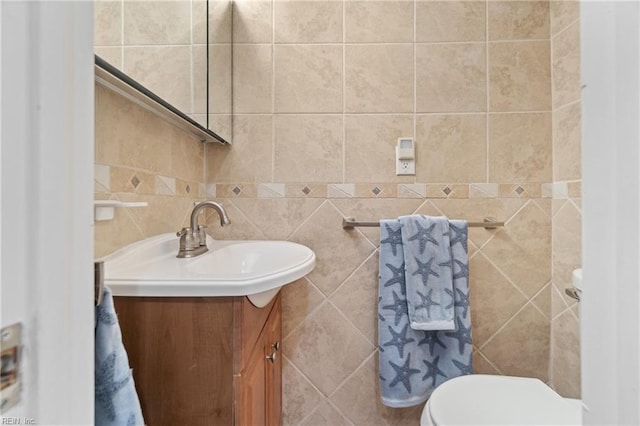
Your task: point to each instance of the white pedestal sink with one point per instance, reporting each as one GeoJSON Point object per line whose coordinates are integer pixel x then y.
{"type": "Point", "coordinates": [256, 269]}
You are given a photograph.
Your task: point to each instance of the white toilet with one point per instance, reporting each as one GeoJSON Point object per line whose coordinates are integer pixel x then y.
{"type": "Point", "coordinates": [498, 400]}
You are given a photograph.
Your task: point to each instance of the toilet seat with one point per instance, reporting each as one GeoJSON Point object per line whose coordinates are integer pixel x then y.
{"type": "Point", "coordinates": [498, 400]}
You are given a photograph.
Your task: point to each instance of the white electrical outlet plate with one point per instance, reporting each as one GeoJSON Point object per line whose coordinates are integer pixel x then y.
{"type": "Point", "coordinates": [405, 157]}
{"type": "Point", "coordinates": [405, 167]}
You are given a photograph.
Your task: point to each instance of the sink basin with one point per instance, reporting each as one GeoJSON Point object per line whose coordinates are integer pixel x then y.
{"type": "Point", "coordinates": [256, 269]}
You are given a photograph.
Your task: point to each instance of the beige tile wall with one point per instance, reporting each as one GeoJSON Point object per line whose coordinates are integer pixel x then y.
{"type": "Point", "coordinates": [567, 211]}
{"type": "Point", "coordinates": [139, 157]}
{"type": "Point", "coordinates": [162, 45]}
{"type": "Point", "coordinates": [310, 150]}
{"type": "Point", "coordinates": [322, 90]}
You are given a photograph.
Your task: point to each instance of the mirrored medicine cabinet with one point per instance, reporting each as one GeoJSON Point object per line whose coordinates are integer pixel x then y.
{"type": "Point", "coordinates": [172, 57]}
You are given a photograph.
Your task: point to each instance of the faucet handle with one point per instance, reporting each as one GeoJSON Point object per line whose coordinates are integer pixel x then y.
{"type": "Point", "coordinates": [202, 235]}
{"type": "Point", "coordinates": [187, 239]}
{"type": "Point", "coordinates": [183, 232]}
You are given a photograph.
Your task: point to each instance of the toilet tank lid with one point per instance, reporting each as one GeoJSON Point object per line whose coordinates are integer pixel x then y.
{"type": "Point", "coordinates": [500, 400]}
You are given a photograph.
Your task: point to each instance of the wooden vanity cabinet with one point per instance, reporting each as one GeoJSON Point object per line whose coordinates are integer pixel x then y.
{"type": "Point", "coordinates": [204, 361]}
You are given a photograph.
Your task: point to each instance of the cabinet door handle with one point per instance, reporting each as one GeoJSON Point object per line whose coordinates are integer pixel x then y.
{"type": "Point", "coordinates": [276, 346]}
{"type": "Point", "coordinates": [273, 357]}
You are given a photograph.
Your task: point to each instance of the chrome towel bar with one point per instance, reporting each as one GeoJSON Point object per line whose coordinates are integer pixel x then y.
{"type": "Point", "coordinates": [488, 223]}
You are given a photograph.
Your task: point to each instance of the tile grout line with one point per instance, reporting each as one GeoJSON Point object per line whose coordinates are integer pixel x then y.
{"type": "Point", "coordinates": [551, 36]}
{"type": "Point", "coordinates": [129, 213]}
{"type": "Point", "coordinates": [356, 228]}
{"type": "Point", "coordinates": [505, 276]}
{"type": "Point", "coordinates": [555, 290]}
{"type": "Point", "coordinates": [573, 314]}
{"type": "Point", "coordinates": [420, 206]}
{"type": "Point", "coordinates": [572, 201]}
{"type": "Point", "coordinates": [538, 293]}
{"type": "Point", "coordinates": [563, 201]}
{"type": "Point", "coordinates": [244, 215]}
{"type": "Point", "coordinates": [565, 309]}
{"type": "Point", "coordinates": [348, 321]}
{"type": "Point", "coordinates": [415, 87]}
{"type": "Point", "coordinates": [486, 358]}
{"type": "Point", "coordinates": [315, 410]}
{"type": "Point", "coordinates": [355, 370]}
{"type": "Point", "coordinates": [550, 369]}
{"type": "Point", "coordinates": [402, 114]}
{"type": "Point", "coordinates": [122, 34]}
{"type": "Point", "coordinates": [397, 43]}
{"type": "Point", "coordinates": [491, 238]}
{"type": "Point", "coordinates": [360, 265]}
{"type": "Point", "coordinates": [191, 59]}
{"type": "Point", "coordinates": [487, 76]}
{"type": "Point", "coordinates": [340, 412]}
{"type": "Point", "coordinates": [322, 203]}
{"type": "Point", "coordinates": [308, 380]}
{"type": "Point", "coordinates": [309, 314]}
{"type": "Point", "coordinates": [552, 91]}
{"type": "Point", "coordinates": [352, 373]}
{"type": "Point", "coordinates": [344, 92]}
{"type": "Point", "coordinates": [509, 321]}
{"type": "Point", "coordinates": [568, 105]}
{"type": "Point", "coordinates": [273, 91]}
{"type": "Point", "coordinates": [532, 200]}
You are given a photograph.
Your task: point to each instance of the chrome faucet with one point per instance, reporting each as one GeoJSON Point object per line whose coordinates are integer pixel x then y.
{"type": "Point", "coordinates": [193, 240]}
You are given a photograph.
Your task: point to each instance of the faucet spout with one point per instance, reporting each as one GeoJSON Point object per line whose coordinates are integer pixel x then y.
{"type": "Point", "coordinates": [193, 240]}
{"type": "Point", "coordinates": [224, 219]}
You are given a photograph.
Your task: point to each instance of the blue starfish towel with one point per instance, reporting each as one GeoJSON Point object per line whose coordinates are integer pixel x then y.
{"type": "Point", "coordinates": [429, 281]}
{"type": "Point", "coordinates": [412, 362]}
{"type": "Point", "coordinates": [116, 402]}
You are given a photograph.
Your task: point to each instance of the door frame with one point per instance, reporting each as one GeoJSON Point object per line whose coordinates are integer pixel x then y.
{"type": "Point", "coordinates": [46, 204]}
{"type": "Point", "coordinates": [610, 303]}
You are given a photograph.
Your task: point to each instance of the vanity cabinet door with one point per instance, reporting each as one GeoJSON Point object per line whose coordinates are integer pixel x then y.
{"type": "Point", "coordinates": [260, 396]}
{"type": "Point", "coordinates": [274, 370]}
{"type": "Point", "coordinates": [253, 393]}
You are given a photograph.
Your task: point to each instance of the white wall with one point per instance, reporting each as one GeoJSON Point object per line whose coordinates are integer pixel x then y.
{"type": "Point", "coordinates": [46, 203]}
{"type": "Point", "coordinates": [610, 325]}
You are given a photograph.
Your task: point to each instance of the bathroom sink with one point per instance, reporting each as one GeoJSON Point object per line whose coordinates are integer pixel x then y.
{"type": "Point", "coordinates": [256, 269]}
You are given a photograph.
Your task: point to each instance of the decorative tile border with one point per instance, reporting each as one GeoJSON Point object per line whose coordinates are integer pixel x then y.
{"type": "Point", "coordinates": [211, 190]}
{"type": "Point", "coordinates": [412, 190]}
{"type": "Point", "coordinates": [439, 190]}
{"type": "Point", "coordinates": [341, 190]}
{"type": "Point", "coordinates": [483, 190]}
{"type": "Point", "coordinates": [305, 190]}
{"type": "Point", "coordinates": [114, 179]}
{"type": "Point", "coordinates": [271, 190]}
{"type": "Point", "coordinates": [574, 189]}
{"type": "Point", "coordinates": [376, 190]}
{"type": "Point", "coordinates": [523, 190]}
{"type": "Point", "coordinates": [101, 178]}
{"type": "Point", "coordinates": [393, 190]}
{"type": "Point", "coordinates": [165, 185]}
